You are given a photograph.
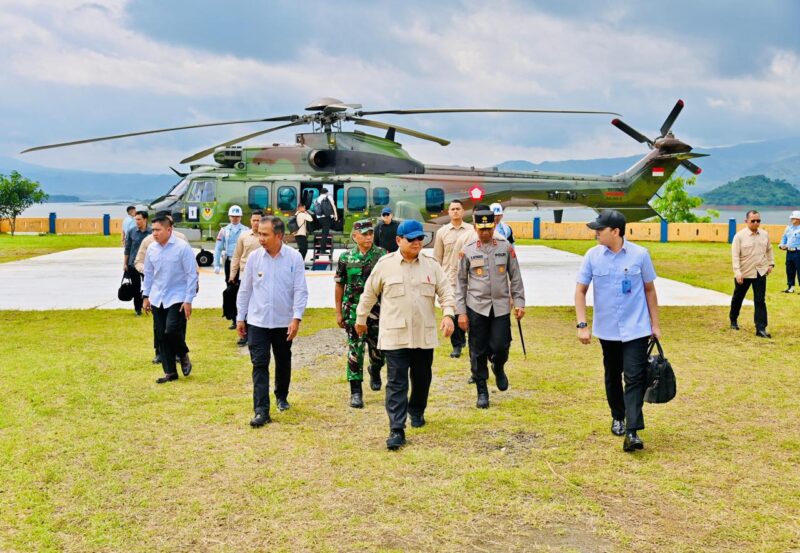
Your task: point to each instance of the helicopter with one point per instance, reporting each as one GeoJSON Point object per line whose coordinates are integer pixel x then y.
{"type": "Point", "coordinates": [366, 173]}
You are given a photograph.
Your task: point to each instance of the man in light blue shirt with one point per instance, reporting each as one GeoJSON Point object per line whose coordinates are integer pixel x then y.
{"type": "Point", "coordinates": [625, 316]}
{"type": "Point", "coordinates": [790, 242]}
{"type": "Point", "coordinates": [170, 284]}
{"type": "Point", "coordinates": [128, 222]}
{"type": "Point", "coordinates": [272, 298]}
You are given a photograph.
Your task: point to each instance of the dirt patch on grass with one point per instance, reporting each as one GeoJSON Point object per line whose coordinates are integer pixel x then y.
{"type": "Point", "coordinates": [307, 350]}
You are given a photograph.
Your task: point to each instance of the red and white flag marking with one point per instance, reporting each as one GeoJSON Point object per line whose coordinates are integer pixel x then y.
{"type": "Point", "coordinates": [658, 171]}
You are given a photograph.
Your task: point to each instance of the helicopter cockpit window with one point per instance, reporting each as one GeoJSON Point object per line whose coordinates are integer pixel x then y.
{"type": "Point", "coordinates": [434, 200]}
{"type": "Point", "coordinates": [258, 197]}
{"type": "Point", "coordinates": [179, 189]}
{"type": "Point", "coordinates": [202, 191]}
{"type": "Point", "coordinates": [380, 196]}
{"type": "Point", "coordinates": [287, 198]}
{"type": "Point", "coordinates": [357, 199]}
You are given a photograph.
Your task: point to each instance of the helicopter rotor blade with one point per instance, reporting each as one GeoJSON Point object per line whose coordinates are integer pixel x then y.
{"type": "Point", "coordinates": [155, 131]}
{"type": "Point", "coordinates": [210, 150]}
{"type": "Point", "coordinates": [479, 110]}
{"type": "Point", "coordinates": [630, 131]}
{"type": "Point", "coordinates": [403, 130]}
{"type": "Point", "coordinates": [691, 167]}
{"type": "Point", "coordinates": [668, 122]}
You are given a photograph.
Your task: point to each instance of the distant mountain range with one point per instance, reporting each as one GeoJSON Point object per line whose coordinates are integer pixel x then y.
{"type": "Point", "coordinates": [776, 159]}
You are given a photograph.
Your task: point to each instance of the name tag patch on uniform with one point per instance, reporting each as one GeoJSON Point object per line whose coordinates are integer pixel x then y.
{"type": "Point", "coordinates": [501, 269]}
{"type": "Point", "coordinates": [626, 286]}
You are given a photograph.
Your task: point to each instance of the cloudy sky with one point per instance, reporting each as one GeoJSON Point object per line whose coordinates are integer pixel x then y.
{"type": "Point", "coordinates": [74, 69]}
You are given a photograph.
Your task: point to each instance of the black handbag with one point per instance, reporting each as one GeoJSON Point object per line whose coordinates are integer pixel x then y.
{"type": "Point", "coordinates": [125, 292]}
{"type": "Point", "coordinates": [229, 301]}
{"type": "Point", "coordinates": [661, 385]}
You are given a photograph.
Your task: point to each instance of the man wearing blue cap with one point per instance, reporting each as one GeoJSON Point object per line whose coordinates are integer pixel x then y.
{"type": "Point", "coordinates": [386, 231]}
{"type": "Point", "coordinates": [407, 284]}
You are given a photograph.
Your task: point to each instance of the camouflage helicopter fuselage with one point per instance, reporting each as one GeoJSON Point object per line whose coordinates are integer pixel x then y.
{"type": "Point", "coordinates": [366, 173]}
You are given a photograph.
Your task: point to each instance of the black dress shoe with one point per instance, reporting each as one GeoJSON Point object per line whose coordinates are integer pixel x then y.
{"type": "Point", "coordinates": [396, 439]}
{"type": "Point", "coordinates": [456, 353]}
{"type": "Point", "coordinates": [233, 326]}
{"type": "Point", "coordinates": [260, 420]}
{"type": "Point", "coordinates": [618, 427]}
{"type": "Point", "coordinates": [632, 442]}
{"type": "Point", "coordinates": [157, 359]}
{"type": "Point", "coordinates": [356, 400]}
{"type": "Point", "coordinates": [763, 334]}
{"type": "Point", "coordinates": [417, 421]}
{"type": "Point", "coordinates": [167, 378]}
{"type": "Point", "coordinates": [186, 365]}
{"type": "Point", "coordinates": [734, 325]}
{"type": "Point", "coordinates": [501, 380]}
{"type": "Point", "coordinates": [283, 405]}
{"type": "Point", "coordinates": [241, 342]}
{"type": "Point", "coordinates": [375, 379]}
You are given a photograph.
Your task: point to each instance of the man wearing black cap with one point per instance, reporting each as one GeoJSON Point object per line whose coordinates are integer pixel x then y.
{"type": "Point", "coordinates": [488, 282]}
{"type": "Point", "coordinates": [386, 231]}
{"type": "Point", "coordinates": [625, 317]}
{"type": "Point", "coordinates": [407, 284]}
{"type": "Point", "coordinates": [352, 272]}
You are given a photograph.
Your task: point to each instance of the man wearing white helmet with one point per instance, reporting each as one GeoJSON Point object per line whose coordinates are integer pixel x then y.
{"type": "Point", "coordinates": [226, 244]}
{"type": "Point", "coordinates": [790, 242]}
{"type": "Point", "coordinates": [502, 228]}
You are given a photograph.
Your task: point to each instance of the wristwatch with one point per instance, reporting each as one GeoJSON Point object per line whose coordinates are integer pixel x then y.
{"type": "Point", "coordinates": [581, 325]}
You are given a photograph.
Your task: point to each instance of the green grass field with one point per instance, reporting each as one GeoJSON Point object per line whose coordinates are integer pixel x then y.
{"type": "Point", "coordinates": [97, 457]}
{"type": "Point", "coordinates": [23, 246]}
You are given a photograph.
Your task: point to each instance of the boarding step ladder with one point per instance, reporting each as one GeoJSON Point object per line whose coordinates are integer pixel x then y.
{"type": "Point", "coordinates": [321, 261]}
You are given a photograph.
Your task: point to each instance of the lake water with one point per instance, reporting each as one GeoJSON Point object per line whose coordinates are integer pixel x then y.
{"type": "Point", "coordinates": [770, 215]}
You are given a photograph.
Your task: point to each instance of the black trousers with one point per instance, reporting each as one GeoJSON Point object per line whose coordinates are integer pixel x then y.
{"type": "Point", "coordinates": [759, 290]}
{"type": "Point", "coordinates": [259, 341]}
{"type": "Point", "coordinates": [302, 245]}
{"type": "Point", "coordinates": [458, 339]}
{"type": "Point", "coordinates": [136, 281]}
{"type": "Point", "coordinates": [325, 226]}
{"type": "Point", "coordinates": [489, 336]}
{"type": "Point", "coordinates": [402, 364]}
{"type": "Point", "coordinates": [170, 327]}
{"type": "Point", "coordinates": [792, 267]}
{"type": "Point", "coordinates": [628, 361]}
{"type": "Point", "coordinates": [227, 269]}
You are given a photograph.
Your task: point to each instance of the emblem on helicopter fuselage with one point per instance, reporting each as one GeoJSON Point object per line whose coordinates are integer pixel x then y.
{"type": "Point", "coordinates": [208, 213]}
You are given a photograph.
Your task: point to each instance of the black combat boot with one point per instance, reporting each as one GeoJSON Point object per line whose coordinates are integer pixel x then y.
{"type": "Point", "coordinates": [356, 395]}
{"type": "Point", "coordinates": [374, 378]}
{"type": "Point", "coordinates": [483, 395]}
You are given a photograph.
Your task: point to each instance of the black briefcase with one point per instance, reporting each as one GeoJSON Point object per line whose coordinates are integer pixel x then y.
{"type": "Point", "coordinates": [125, 292]}
{"type": "Point", "coordinates": [661, 385]}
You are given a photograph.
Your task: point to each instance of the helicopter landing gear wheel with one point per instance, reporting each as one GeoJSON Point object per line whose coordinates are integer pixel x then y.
{"type": "Point", "coordinates": [204, 258]}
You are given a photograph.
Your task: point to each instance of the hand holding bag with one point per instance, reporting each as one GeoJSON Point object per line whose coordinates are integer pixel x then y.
{"type": "Point", "coordinates": [661, 385]}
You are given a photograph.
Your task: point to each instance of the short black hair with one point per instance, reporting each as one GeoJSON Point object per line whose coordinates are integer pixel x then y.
{"type": "Point", "coordinates": [457, 201]}
{"type": "Point", "coordinates": [162, 220]}
{"type": "Point", "coordinates": [257, 212]}
{"type": "Point", "coordinates": [143, 213]}
{"type": "Point", "coordinates": [128, 209]}
{"type": "Point", "coordinates": [278, 226]}
{"type": "Point", "coordinates": [747, 216]}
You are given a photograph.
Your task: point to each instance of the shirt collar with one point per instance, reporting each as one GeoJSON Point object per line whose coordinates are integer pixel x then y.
{"type": "Point", "coordinates": [623, 249]}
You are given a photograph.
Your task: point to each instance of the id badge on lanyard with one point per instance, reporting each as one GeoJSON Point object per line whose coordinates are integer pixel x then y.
{"type": "Point", "coordinates": [626, 284]}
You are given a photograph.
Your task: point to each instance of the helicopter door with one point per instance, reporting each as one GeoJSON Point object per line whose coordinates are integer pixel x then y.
{"type": "Point", "coordinates": [338, 194]}
{"type": "Point", "coordinates": [201, 200]}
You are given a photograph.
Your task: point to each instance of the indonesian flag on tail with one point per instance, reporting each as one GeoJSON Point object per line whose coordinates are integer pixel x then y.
{"type": "Point", "coordinates": [658, 171]}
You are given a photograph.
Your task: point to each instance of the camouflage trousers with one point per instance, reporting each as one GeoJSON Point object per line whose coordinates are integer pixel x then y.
{"type": "Point", "coordinates": [356, 346]}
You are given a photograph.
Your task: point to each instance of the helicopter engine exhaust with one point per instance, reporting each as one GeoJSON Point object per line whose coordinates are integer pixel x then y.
{"type": "Point", "coordinates": [321, 159]}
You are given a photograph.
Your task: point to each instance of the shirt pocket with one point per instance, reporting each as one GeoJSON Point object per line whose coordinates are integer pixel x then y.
{"type": "Point", "coordinates": [601, 276]}
{"type": "Point", "coordinates": [396, 333]}
{"type": "Point", "coordinates": [394, 287]}
{"type": "Point", "coordinates": [427, 288]}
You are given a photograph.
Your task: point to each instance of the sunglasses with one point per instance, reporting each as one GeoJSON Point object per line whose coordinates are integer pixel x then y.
{"type": "Point", "coordinates": [755, 220]}
{"type": "Point", "coordinates": [417, 239]}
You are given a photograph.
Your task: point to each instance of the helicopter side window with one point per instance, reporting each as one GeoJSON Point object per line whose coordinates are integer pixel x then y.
{"type": "Point", "coordinates": [380, 196]}
{"type": "Point", "coordinates": [258, 197]}
{"type": "Point", "coordinates": [434, 200]}
{"type": "Point", "coordinates": [308, 195]}
{"type": "Point", "coordinates": [340, 199]}
{"type": "Point", "coordinates": [287, 198]}
{"type": "Point", "coordinates": [357, 199]}
{"type": "Point", "coordinates": [203, 191]}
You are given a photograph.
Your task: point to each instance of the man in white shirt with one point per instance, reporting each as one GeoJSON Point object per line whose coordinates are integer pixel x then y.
{"type": "Point", "coordinates": [272, 298]}
{"type": "Point", "coordinates": [170, 284]}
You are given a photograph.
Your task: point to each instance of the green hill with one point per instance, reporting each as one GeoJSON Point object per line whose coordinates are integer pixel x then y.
{"type": "Point", "coordinates": [754, 190]}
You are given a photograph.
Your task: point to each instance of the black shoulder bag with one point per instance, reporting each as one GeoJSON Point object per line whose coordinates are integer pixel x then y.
{"type": "Point", "coordinates": [661, 385]}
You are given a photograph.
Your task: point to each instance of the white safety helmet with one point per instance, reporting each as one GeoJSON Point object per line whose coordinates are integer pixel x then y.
{"type": "Point", "coordinates": [496, 208]}
{"type": "Point", "coordinates": [235, 211]}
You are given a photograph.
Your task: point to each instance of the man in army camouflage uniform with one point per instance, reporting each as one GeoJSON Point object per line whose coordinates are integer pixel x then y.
{"type": "Point", "coordinates": [352, 271]}
{"type": "Point", "coordinates": [489, 281]}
